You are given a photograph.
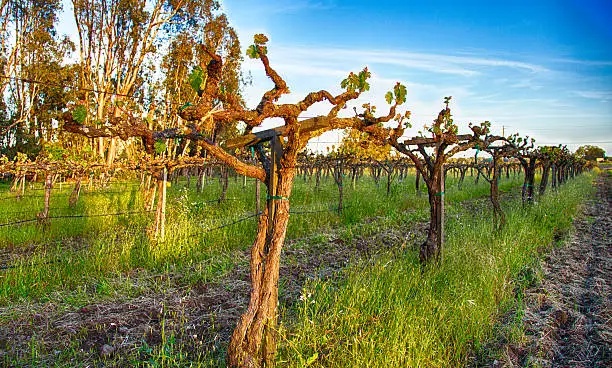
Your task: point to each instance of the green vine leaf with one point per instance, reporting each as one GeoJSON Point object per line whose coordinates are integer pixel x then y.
{"type": "Point", "coordinates": [400, 93]}
{"type": "Point", "coordinates": [160, 146]}
{"type": "Point", "coordinates": [196, 78]}
{"type": "Point", "coordinates": [389, 97]}
{"type": "Point", "coordinates": [79, 114]}
{"type": "Point", "coordinates": [252, 52]}
{"type": "Point", "coordinates": [357, 82]}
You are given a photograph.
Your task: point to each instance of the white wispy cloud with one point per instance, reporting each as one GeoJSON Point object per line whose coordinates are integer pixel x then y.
{"type": "Point", "coordinates": [596, 95]}
{"type": "Point", "coordinates": [512, 94]}
{"type": "Point", "coordinates": [526, 83]}
{"type": "Point", "coordinates": [602, 63]}
{"type": "Point", "coordinates": [461, 65]}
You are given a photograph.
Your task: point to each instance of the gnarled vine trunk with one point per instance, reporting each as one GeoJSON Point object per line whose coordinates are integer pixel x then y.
{"type": "Point", "coordinates": [529, 166]}
{"type": "Point", "coordinates": [499, 217]}
{"type": "Point", "coordinates": [254, 339]}
{"type": "Point", "coordinates": [545, 175]}
{"type": "Point", "coordinates": [431, 249]}
{"type": "Point", "coordinates": [74, 196]}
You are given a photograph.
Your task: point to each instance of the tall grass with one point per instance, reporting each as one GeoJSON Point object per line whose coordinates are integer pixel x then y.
{"type": "Point", "coordinates": [76, 259]}
{"type": "Point", "coordinates": [391, 313]}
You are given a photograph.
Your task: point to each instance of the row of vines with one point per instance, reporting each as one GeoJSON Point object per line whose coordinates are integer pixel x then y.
{"type": "Point", "coordinates": [276, 157]}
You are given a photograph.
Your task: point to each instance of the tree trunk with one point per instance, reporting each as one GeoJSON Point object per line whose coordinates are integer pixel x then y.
{"type": "Point", "coordinates": [253, 342]}
{"type": "Point", "coordinates": [74, 196]}
{"type": "Point", "coordinates": [461, 178]}
{"type": "Point", "coordinates": [160, 213]}
{"type": "Point", "coordinates": [499, 218]}
{"type": "Point", "coordinates": [224, 184]}
{"type": "Point", "coordinates": [43, 216]}
{"type": "Point", "coordinates": [544, 181]}
{"type": "Point", "coordinates": [338, 171]}
{"type": "Point", "coordinates": [529, 168]}
{"type": "Point", "coordinates": [431, 249]}
{"type": "Point", "coordinates": [389, 180]}
{"type": "Point", "coordinates": [22, 188]}
{"type": "Point", "coordinates": [257, 196]}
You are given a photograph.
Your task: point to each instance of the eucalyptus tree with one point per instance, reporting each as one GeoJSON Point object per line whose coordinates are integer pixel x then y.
{"type": "Point", "coordinates": [591, 153]}
{"type": "Point", "coordinates": [121, 44]}
{"type": "Point", "coordinates": [188, 55]}
{"type": "Point", "coordinates": [31, 63]}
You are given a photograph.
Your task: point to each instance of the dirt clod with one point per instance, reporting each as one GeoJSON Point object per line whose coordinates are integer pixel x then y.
{"type": "Point", "coordinates": [106, 350]}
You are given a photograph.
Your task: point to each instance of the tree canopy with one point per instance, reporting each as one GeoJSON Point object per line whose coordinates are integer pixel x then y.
{"type": "Point", "coordinates": [590, 153]}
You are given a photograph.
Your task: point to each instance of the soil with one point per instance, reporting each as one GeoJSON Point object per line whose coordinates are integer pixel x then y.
{"type": "Point", "coordinates": [567, 320]}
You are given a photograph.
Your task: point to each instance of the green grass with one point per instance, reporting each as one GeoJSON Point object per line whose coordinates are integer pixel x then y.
{"type": "Point", "coordinates": [383, 311]}
{"type": "Point", "coordinates": [78, 254]}
{"type": "Point", "coordinates": [393, 314]}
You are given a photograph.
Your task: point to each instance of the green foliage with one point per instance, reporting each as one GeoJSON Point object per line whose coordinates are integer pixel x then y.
{"type": "Point", "coordinates": [389, 97]}
{"type": "Point", "coordinates": [53, 152]}
{"type": "Point", "coordinates": [79, 114]}
{"type": "Point", "coordinates": [253, 51]}
{"type": "Point", "coordinates": [196, 78]}
{"type": "Point", "coordinates": [357, 144]}
{"type": "Point", "coordinates": [400, 93]}
{"type": "Point", "coordinates": [389, 312]}
{"type": "Point", "coordinates": [357, 82]}
{"type": "Point", "coordinates": [160, 146]}
{"type": "Point", "coordinates": [590, 153]}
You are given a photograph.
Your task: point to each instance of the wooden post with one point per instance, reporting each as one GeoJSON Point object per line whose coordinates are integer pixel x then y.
{"type": "Point", "coordinates": [275, 155]}
{"type": "Point", "coordinates": [22, 188]}
{"type": "Point", "coordinates": [257, 196]}
{"type": "Point", "coordinates": [162, 226]}
{"type": "Point", "coordinates": [160, 213]}
{"type": "Point", "coordinates": [441, 214]}
{"type": "Point", "coordinates": [43, 216]}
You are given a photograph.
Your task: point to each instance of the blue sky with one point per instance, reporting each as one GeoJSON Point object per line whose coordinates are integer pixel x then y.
{"type": "Point", "coordinates": [541, 68]}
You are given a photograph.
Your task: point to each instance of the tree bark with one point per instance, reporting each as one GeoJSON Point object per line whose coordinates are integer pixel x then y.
{"type": "Point", "coordinates": [224, 184]}
{"type": "Point", "coordinates": [544, 181]}
{"type": "Point", "coordinates": [529, 166]}
{"type": "Point", "coordinates": [160, 213]}
{"type": "Point", "coordinates": [43, 216]}
{"type": "Point", "coordinates": [499, 218]}
{"type": "Point", "coordinates": [74, 196]}
{"type": "Point", "coordinates": [253, 343]}
{"type": "Point", "coordinates": [431, 249]}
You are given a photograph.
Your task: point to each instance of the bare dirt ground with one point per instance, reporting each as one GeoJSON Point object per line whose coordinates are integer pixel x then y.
{"type": "Point", "coordinates": [568, 317]}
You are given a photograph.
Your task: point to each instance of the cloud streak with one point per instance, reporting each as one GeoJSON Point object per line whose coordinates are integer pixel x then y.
{"type": "Point", "coordinates": [465, 66]}
{"type": "Point", "coordinates": [595, 95]}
